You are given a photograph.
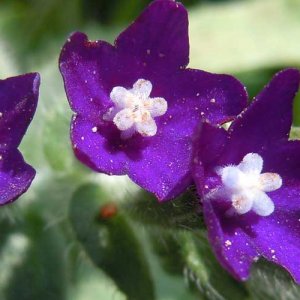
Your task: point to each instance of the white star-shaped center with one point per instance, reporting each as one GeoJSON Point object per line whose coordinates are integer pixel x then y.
{"type": "Point", "coordinates": [134, 110]}
{"type": "Point", "coordinates": [246, 187]}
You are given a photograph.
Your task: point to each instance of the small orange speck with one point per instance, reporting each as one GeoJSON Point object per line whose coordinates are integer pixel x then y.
{"type": "Point", "coordinates": [108, 210]}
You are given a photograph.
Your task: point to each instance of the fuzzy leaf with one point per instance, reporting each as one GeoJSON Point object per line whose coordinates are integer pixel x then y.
{"type": "Point", "coordinates": [166, 245]}
{"type": "Point", "coordinates": [110, 242]}
{"type": "Point", "coordinates": [296, 120]}
{"type": "Point", "coordinates": [270, 282]}
{"type": "Point", "coordinates": [203, 270]}
{"type": "Point", "coordinates": [181, 212]}
{"type": "Point", "coordinates": [57, 147]}
{"type": "Point", "coordinates": [32, 262]}
{"type": "Point", "coordinates": [295, 133]}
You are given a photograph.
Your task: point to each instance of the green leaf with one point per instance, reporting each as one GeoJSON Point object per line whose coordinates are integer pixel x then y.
{"type": "Point", "coordinates": [296, 119]}
{"type": "Point", "coordinates": [271, 282]}
{"type": "Point", "coordinates": [182, 212]}
{"type": "Point", "coordinates": [32, 262]}
{"type": "Point", "coordinates": [295, 133]}
{"type": "Point", "coordinates": [110, 242]}
{"type": "Point", "coordinates": [93, 284]}
{"type": "Point", "coordinates": [166, 245]}
{"type": "Point", "coordinates": [57, 147]}
{"type": "Point", "coordinates": [203, 270]}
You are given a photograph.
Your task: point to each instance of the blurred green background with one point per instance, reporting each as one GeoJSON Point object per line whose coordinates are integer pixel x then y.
{"type": "Point", "coordinates": [52, 245]}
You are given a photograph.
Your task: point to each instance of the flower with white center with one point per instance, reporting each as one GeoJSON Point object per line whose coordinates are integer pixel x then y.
{"type": "Point", "coordinates": [246, 187]}
{"type": "Point", "coordinates": [229, 191]}
{"type": "Point", "coordinates": [109, 88]}
{"type": "Point", "coordinates": [134, 110]}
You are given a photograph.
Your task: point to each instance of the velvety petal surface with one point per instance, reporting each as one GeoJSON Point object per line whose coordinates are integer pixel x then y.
{"type": "Point", "coordinates": [268, 118]}
{"type": "Point", "coordinates": [82, 64]}
{"type": "Point", "coordinates": [233, 247]}
{"type": "Point", "coordinates": [158, 39]}
{"type": "Point", "coordinates": [18, 101]}
{"type": "Point", "coordinates": [100, 146]}
{"type": "Point", "coordinates": [278, 236]}
{"type": "Point", "coordinates": [15, 176]}
{"type": "Point", "coordinates": [154, 48]}
{"type": "Point", "coordinates": [165, 165]}
{"type": "Point", "coordinates": [166, 159]}
{"type": "Point", "coordinates": [208, 147]}
{"type": "Point", "coordinates": [159, 33]}
{"type": "Point", "coordinates": [218, 98]}
{"type": "Point", "coordinates": [239, 240]}
{"type": "Point", "coordinates": [160, 164]}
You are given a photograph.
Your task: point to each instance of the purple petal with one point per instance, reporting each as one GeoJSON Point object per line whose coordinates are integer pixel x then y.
{"type": "Point", "coordinates": [151, 163]}
{"type": "Point", "coordinates": [230, 240]}
{"type": "Point", "coordinates": [217, 98]}
{"type": "Point", "coordinates": [283, 158]}
{"type": "Point", "coordinates": [165, 165]}
{"type": "Point", "coordinates": [92, 69]}
{"type": "Point", "coordinates": [15, 176]}
{"type": "Point", "coordinates": [159, 33]}
{"type": "Point", "coordinates": [100, 146]}
{"type": "Point", "coordinates": [231, 246]}
{"type": "Point", "coordinates": [208, 148]}
{"type": "Point", "coordinates": [158, 39]}
{"type": "Point", "coordinates": [239, 240]}
{"type": "Point", "coordinates": [278, 236]}
{"type": "Point", "coordinates": [82, 64]}
{"type": "Point", "coordinates": [154, 48]}
{"type": "Point", "coordinates": [160, 164]}
{"type": "Point", "coordinates": [18, 101]}
{"type": "Point", "coordinates": [268, 119]}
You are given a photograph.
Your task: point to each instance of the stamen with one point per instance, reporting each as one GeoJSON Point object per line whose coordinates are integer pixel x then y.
{"type": "Point", "coordinates": [270, 182]}
{"type": "Point", "coordinates": [241, 203]}
{"type": "Point", "coordinates": [245, 186]}
{"type": "Point", "coordinates": [134, 110]}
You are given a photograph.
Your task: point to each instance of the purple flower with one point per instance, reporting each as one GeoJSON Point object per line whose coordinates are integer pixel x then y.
{"type": "Point", "coordinates": [249, 180]}
{"type": "Point", "coordinates": [18, 101]}
{"type": "Point", "coordinates": [136, 104]}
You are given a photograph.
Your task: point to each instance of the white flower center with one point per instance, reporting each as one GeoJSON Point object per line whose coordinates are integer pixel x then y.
{"type": "Point", "coordinates": [246, 187]}
{"type": "Point", "coordinates": [134, 110]}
